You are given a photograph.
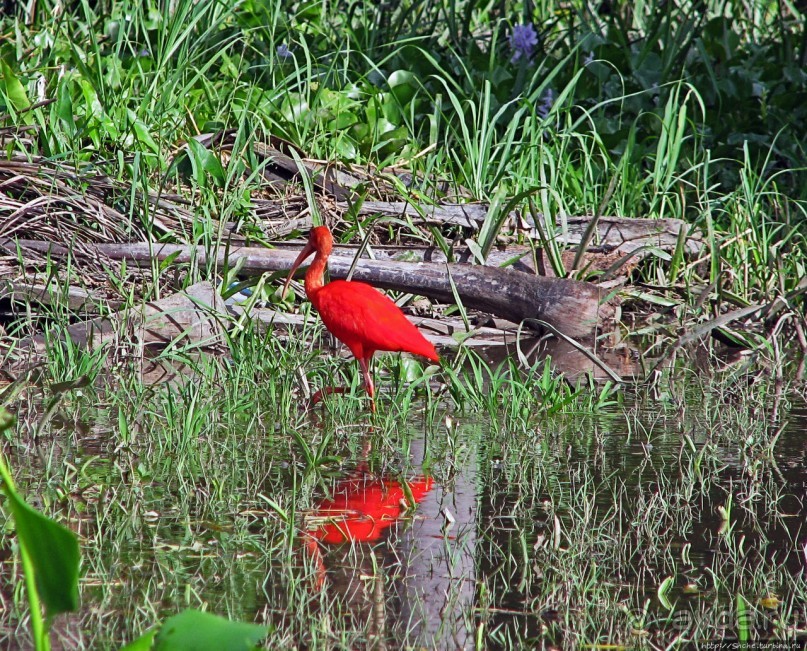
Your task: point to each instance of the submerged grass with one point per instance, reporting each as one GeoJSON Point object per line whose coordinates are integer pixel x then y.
{"type": "Point", "coordinates": [563, 516]}
{"type": "Point", "coordinates": [583, 525]}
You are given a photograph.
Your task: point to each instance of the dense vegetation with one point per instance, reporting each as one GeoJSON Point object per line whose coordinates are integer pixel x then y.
{"type": "Point", "coordinates": [691, 110]}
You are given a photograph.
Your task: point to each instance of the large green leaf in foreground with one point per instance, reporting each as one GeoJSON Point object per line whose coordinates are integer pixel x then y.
{"type": "Point", "coordinates": [52, 548]}
{"type": "Point", "coordinates": [12, 88]}
{"type": "Point", "coordinates": [54, 553]}
{"type": "Point", "coordinates": [193, 630]}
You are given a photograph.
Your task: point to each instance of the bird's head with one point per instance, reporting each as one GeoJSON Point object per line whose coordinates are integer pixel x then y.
{"type": "Point", "coordinates": [320, 241]}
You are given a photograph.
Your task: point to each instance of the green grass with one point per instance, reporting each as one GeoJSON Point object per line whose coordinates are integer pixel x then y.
{"type": "Point", "coordinates": [598, 515]}
{"type": "Point", "coordinates": [198, 502]}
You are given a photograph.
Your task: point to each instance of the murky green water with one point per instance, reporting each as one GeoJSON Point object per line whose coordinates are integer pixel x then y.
{"type": "Point", "coordinates": [660, 520]}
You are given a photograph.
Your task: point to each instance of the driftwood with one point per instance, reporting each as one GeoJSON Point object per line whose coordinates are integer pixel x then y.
{"type": "Point", "coordinates": [28, 291]}
{"type": "Point", "coordinates": [622, 234]}
{"type": "Point", "coordinates": [193, 315]}
{"type": "Point", "coordinates": [573, 307]}
{"type": "Point", "coordinates": [518, 256]}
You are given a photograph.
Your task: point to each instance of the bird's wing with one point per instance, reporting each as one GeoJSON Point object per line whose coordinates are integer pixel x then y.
{"type": "Point", "coordinates": [366, 320]}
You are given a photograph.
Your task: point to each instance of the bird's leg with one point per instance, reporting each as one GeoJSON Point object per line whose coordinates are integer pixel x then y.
{"type": "Point", "coordinates": [368, 381]}
{"type": "Point", "coordinates": [312, 547]}
{"type": "Point", "coordinates": [324, 391]}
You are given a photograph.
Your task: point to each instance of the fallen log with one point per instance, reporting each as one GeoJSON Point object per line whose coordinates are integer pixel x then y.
{"type": "Point", "coordinates": [191, 316]}
{"type": "Point", "coordinates": [32, 291]}
{"type": "Point", "coordinates": [518, 256]}
{"type": "Point", "coordinates": [575, 308]}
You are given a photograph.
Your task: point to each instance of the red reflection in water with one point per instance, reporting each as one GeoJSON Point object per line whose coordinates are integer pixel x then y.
{"type": "Point", "coordinates": [363, 506]}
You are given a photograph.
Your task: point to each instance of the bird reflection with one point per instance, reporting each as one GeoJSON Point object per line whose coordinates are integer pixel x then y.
{"type": "Point", "coordinates": [363, 506]}
{"type": "Point", "coordinates": [360, 509]}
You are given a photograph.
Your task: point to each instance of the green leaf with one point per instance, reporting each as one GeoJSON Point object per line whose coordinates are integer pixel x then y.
{"type": "Point", "coordinates": [13, 89]}
{"type": "Point", "coordinates": [663, 590]}
{"type": "Point", "coordinates": [403, 84]}
{"type": "Point", "coordinates": [95, 110]}
{"type": "Point", "coordinates": [343, 120]}
{"type": "Point", "coordinates": [142, 132]}
{"type": "Point", "coordinates": [193, 630]}
{"type": "Point", "coordinates": [204, 160]}
{"type": "Point", "coordinates": [64, 106]}
{"type": "Point", "coordinates": [744, 619]}
{"type": "Point", "coordinates": [390, 109]}
{"type": "Point", "coordinates": [54, 553]}
{"type": "Point", "coordinates": [475, 250]}
{"type": "Point", "coordinates": [51, 548]}
{"type": "Point", "coordinates": [295, 107]}
{"type": "Point", "coordinates": [143, 643]}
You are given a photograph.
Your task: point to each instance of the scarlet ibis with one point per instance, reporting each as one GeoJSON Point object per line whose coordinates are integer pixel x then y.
{"type": "Point", "coordinates": [360, 316]}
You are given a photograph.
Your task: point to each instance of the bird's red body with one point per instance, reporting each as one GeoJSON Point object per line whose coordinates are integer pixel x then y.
{"type": "Point", "coordinates": [363, 506]}
{"type": "Point", "coordinates": [360, 316]}
{"type": "Point", "coordinates": [361, 509]}
{"type": "Point", "coordinates": [365, 320]}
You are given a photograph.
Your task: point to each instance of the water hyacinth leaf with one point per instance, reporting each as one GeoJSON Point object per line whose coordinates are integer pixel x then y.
{"type": "Point", "coordinates": [193, 630]}
{"type": "Point", "coordinates": [343, 120]}
{"type": "Point", "coordinates": [13, 89]}
{"type": "Point", "coordinates": [403, 85]}
{"type": "Point", "coordinates": [361, 132]}
{"type": "Point", "coordinates": [390, 108]}
{"type": "Point", "coordinates": [52, 549]}
{"type": "Point", "coordinates": [344, 149]}
{"type": "Point", "coordinates": [295, 107]}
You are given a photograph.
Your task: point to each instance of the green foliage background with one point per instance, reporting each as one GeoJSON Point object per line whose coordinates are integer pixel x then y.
{"type": "Point", "coordinates": [366, 82]}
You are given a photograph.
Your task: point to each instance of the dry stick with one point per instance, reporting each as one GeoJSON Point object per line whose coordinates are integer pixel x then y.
{"type": "Point", "coordinates": [620, 233]}
{"type": "Point", "coordinates": [27, 109]}
{"type": "Point", "coordinates": [574, 307]}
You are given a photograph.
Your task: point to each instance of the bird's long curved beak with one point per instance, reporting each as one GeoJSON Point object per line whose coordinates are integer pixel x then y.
{"type": "Point", "coordinates": [306, 252]}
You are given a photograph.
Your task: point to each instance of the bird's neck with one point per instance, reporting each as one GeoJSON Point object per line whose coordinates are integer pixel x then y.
{"type": "Point", "coordinates": [315, 276]}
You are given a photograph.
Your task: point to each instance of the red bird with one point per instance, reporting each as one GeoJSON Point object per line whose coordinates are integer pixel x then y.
{"type": "Point", "coordinates": [357, 314]}
{"type": "Point", "coordinates": [361, 508]}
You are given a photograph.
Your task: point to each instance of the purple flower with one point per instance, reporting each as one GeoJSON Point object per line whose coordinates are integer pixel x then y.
{"type": "Point", "coordinates": [546, 102]}
{"type": "Point", "coordinates": [523, 42]}
{"type": "Point", "coordinates": [589, 58]}
{"type": "Point", "coordinates": [283, 51]}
